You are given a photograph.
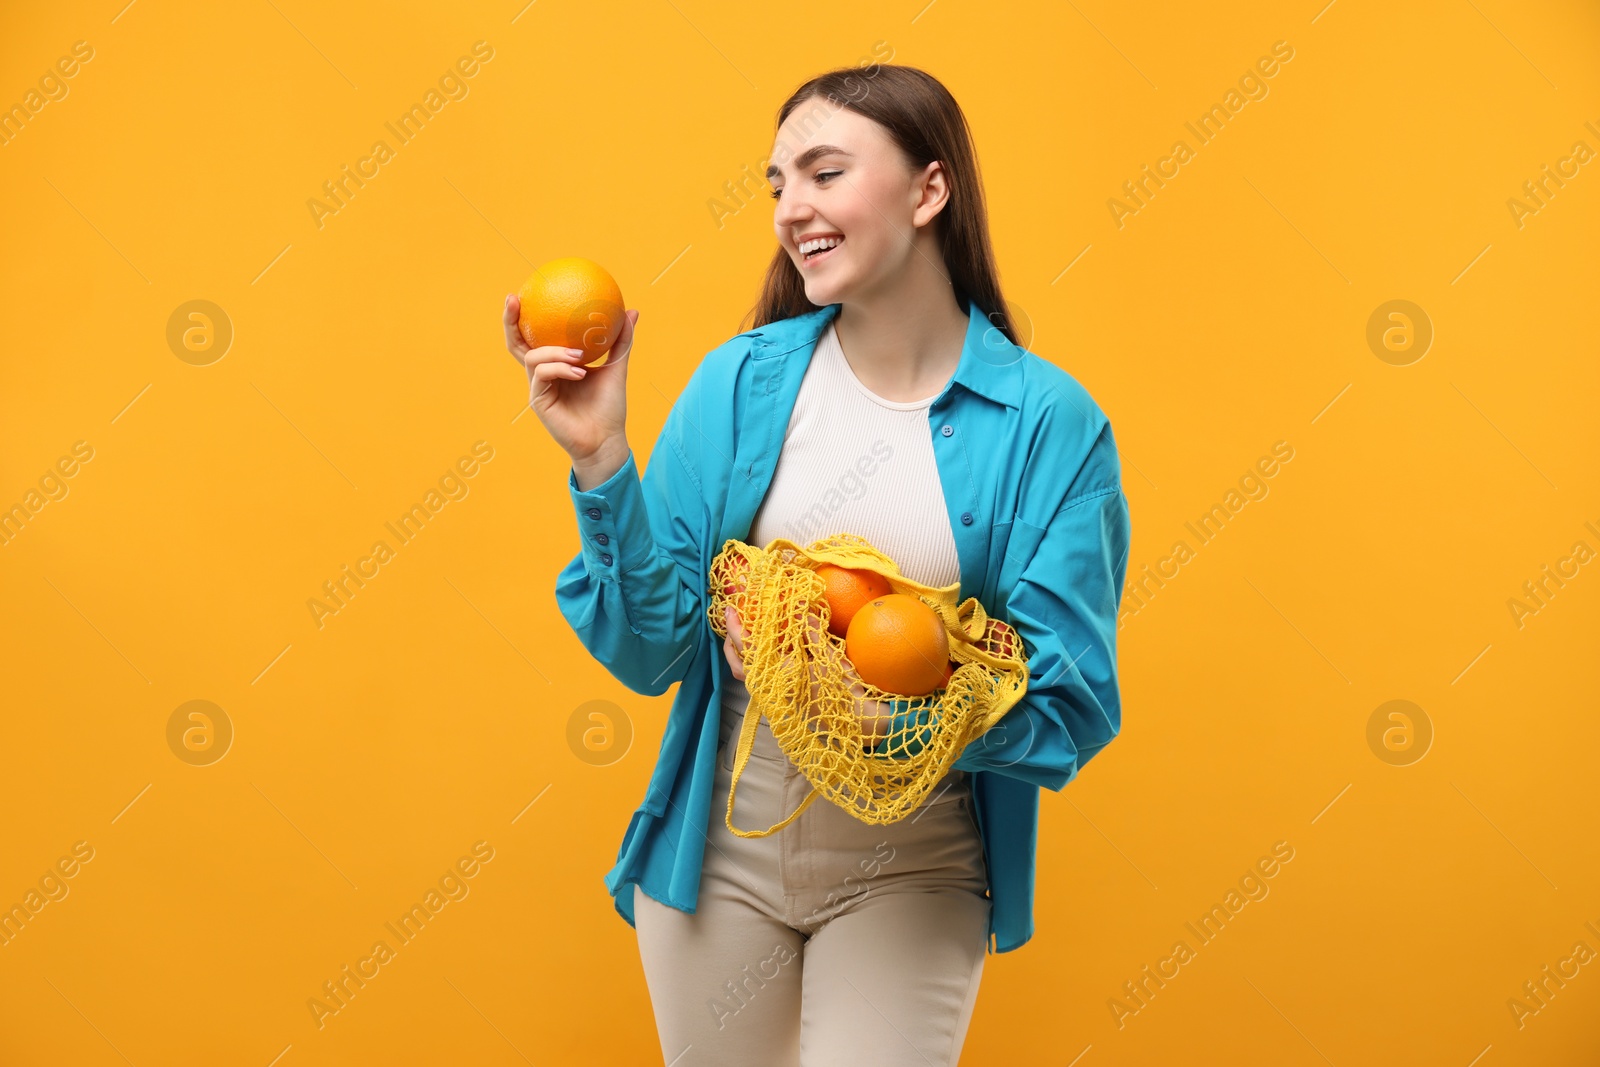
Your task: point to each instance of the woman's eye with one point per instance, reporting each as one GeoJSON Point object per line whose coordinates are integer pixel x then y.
{"type": "Point", "coordinates": [821, 175]}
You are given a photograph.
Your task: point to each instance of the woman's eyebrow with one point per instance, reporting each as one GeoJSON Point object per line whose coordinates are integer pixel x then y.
{"type": "Point", "coordinates": [808, 157]}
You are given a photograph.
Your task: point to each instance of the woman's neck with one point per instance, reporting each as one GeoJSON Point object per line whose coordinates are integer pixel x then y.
{"type": "Point", "coordinates": [906, 347]}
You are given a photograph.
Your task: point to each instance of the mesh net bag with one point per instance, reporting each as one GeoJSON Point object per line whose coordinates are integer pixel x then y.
{"type": "Point", "coordinates": [874, 753]}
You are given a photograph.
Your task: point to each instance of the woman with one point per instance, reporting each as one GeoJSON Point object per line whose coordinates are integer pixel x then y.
{"type": "Point", "coordinates": [881, 392]}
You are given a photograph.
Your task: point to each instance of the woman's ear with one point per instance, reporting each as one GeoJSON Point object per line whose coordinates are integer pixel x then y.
{"type": "Point", "coordinates": [932, 193]}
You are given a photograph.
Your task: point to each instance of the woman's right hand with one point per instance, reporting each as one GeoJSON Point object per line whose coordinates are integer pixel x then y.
{"type": "Point", "coordinates": [733, 646]}
{"type": "Point", "coordinates": [583, 408]}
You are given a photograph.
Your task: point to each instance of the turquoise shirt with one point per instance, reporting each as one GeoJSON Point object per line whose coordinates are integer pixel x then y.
{"type": "Point", "coordinates": [1032, 483]}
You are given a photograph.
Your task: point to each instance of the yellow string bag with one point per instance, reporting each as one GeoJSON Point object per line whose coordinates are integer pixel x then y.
{"type": "Point", "coordinates": [784, 610]}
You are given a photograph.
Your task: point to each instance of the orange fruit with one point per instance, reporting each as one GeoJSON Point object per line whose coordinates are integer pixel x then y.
{"type": "Point", "coordinates": [573, 303]}
{"type": "Point", "coordinates": [847, 590]}
{"type": "Point", "coordinates": [899, 644]}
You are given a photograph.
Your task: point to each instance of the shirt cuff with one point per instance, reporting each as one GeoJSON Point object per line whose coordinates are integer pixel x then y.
{"type": "Point", "coordinates": [613, 525]}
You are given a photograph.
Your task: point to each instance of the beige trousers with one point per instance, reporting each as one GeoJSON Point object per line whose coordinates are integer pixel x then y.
{"type": "Point", "coordinates": [828, 943]}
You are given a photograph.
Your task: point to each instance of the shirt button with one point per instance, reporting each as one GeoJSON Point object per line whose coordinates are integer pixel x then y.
{"type": "Point", "coordinates": [966, 518]}
{"type": "Point", "coordinates": [604, 539]}
{"type": "Point", "coordinates": [605, 557]}
{"type": "Point", "coordinates": [593, 513]}
{"type": "Point", "coordinates": [947, 429]}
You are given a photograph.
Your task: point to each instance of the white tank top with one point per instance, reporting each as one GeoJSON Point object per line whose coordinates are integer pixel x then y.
{"type": "Point", "coordinates": [855, 462]}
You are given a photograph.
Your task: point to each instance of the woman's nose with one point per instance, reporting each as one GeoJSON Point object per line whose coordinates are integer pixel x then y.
{"type": "Point", "coordinates": [790, 211]}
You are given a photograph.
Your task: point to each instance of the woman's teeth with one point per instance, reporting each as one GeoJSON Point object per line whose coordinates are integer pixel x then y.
{"type": "Point", "coordinates": [813, 249]}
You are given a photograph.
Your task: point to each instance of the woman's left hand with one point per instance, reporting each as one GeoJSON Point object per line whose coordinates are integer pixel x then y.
{"type": "Point", "coordinates": [873, 715]}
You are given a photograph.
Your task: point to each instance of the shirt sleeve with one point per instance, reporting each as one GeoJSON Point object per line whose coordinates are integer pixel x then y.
{"type": "Point", "coordinates": [1064, 608]}
{"type": "Point", "coordinates": [634, 593]}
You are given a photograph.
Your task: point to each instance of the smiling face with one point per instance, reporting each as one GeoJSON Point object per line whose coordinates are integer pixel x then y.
{"type": "Point", "coordinates": [837, 174]}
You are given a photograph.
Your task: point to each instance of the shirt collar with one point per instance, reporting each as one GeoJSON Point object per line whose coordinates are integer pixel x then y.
{"type": "Point", "coordinates": [991, 365]}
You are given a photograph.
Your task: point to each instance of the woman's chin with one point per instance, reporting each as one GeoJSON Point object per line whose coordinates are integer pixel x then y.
{"type": "Point", "coordinates": [822, 293]}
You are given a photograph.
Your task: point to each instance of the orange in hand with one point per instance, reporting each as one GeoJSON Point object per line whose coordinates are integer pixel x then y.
{"type": "Point", "coordinates": [899, 644]}
{"type": "Point", "coordinates": [574, 303]}
{"type": "Point", "coordinates": [847, 591]}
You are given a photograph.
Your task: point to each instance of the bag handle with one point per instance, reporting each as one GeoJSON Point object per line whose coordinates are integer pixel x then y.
{"type": "Point", "coordinates": [741, 757]}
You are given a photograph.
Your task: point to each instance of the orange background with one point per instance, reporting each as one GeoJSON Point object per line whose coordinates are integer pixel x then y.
{"type": "Point", "coordinates": [432, 712]}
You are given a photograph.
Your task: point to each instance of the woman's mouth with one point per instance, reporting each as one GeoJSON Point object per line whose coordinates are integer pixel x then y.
{"type": "Point", "coordinates": [813, 258]}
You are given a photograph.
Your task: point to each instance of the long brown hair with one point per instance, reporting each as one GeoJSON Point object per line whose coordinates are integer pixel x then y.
{"type": "Point", "coordinates": [924, 120]}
